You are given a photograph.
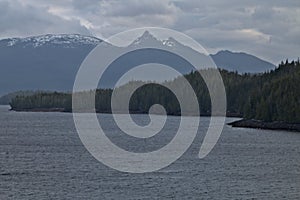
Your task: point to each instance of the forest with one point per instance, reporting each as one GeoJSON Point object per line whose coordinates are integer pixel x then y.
{"type": "Point", "coordinates": [269, 96]}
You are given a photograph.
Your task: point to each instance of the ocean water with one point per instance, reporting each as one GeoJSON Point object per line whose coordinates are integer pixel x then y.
{"type": "Point", "coordinates": [42, 157]}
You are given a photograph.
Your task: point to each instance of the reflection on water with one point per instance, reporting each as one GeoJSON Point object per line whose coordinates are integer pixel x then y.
{"type": "Point", "coordinates": [42, 157]}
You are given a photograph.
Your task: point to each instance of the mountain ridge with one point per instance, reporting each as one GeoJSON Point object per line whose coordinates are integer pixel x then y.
{"type": "Point", "coordinates": [51, 61]}
{"type": "Point", "coordinates": [40, 40]}
{"type": "Point", "coordinates": [246, 63]}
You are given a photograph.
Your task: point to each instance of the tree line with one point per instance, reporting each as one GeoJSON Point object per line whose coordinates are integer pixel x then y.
{"type": "Point", "coordinates": [269, 96]}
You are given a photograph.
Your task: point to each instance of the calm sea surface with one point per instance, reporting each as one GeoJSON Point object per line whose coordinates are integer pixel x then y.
{"type": "Point", "coordinates": [42, 157]}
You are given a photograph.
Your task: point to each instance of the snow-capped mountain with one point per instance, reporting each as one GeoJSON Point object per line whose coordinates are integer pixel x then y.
{"type": "Point", "coordinates": [47, 62]}
{"type": "Point", "coordinates": [67, 40]}
{"type": "Point", "coordinates": [50, 62]}
{"type": "Point", "coordinates": [147, 39]}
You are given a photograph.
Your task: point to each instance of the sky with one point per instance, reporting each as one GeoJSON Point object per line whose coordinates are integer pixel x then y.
{"type": "Point", "coordinates": [267, 29]}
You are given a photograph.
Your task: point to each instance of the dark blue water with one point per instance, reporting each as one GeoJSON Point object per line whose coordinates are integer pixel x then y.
{"type": "Point", "coordinates": [42, 157]}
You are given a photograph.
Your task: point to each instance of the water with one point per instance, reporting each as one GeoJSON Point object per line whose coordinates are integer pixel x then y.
{"type": "Point", "coordinates": [42, 157]}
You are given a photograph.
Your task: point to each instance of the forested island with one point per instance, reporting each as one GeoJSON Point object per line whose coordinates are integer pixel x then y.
{"type": "Point", "coordinates": [273, 96]}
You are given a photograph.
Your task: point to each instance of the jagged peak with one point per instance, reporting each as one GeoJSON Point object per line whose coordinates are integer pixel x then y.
{"type": "Point", "coordinates": [145, 37]}
{"type": "Point", "coordinates": [148, 38]}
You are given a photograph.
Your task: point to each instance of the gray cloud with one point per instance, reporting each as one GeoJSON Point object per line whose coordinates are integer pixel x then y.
{"type": "Point", "coordinates": [17, 19]}
{"type": "Point", "coordinates": [138, 8]}
{"type": "Point", "coordinates": [269, 29]}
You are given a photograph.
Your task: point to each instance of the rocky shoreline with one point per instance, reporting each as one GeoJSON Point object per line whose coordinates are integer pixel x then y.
{"type": "Point", "coordinates": [276, 125]}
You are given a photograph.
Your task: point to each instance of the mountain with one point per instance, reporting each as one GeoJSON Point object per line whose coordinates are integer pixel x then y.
{"type": "Point", "coordinates": [241, 62]}
{"type": "Point", "coordinates": [50, 62]}
{"type": "Point", "coordinates": [49, 40]}
{"type": "Point", "coordinates": [47, 62]}
{"type": "Point", "coordinates": [164, 52]}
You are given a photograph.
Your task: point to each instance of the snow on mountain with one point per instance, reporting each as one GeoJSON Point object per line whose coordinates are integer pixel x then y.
{"type": "Point", "coordinates": [148, 39]}
{"type": "Point", "coordinates": [169, 42]}
{"type": "Point", "coordinates": [68, 40]}
{"type": "Point", "coordinates": [145, 40]}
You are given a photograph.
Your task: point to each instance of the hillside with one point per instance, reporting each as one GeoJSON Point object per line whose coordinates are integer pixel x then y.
{"type": "Point", "coordinates": [6, 99]}
{"type": "Point", "coordinates": [48, 62]}
{"type": "Point", "coordinates": [241, 62]}
{"type": "Point", "coordinates": [271, 96]}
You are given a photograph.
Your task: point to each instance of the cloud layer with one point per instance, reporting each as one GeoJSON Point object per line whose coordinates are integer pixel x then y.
{"type": "Point", "coordinates": [268, 29]}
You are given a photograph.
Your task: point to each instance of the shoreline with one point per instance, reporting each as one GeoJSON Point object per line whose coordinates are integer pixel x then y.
{"type": "Point", "coordinates": [40, 110]}
{"type": "Point", "coordinates": [259, 124]}
{"type": "Point", "coordinates": [231, 115]}
{"type": "Point", "coordinates": [243, 123]}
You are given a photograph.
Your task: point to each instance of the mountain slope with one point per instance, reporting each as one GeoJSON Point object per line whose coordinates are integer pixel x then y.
{"type": "Point", "coordinates": [241, 62]}
{"type": "Point", "coordinates": [50, 62]}
{"type": "Point", "coordinates": [47, 62]}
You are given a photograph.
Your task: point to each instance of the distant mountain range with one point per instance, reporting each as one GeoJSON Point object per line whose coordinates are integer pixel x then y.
{"type": "Point", "coordinates": [50, 62]}
{"type": "Point", "coordinates": [241, 62]}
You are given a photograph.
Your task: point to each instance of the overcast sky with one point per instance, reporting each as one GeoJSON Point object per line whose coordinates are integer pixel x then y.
{"type": "Point", "coordinates": [268, 29]}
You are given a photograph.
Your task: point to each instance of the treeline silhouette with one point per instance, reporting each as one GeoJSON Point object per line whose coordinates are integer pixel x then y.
{"type": "Point", "coordinates": [270, 96]}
